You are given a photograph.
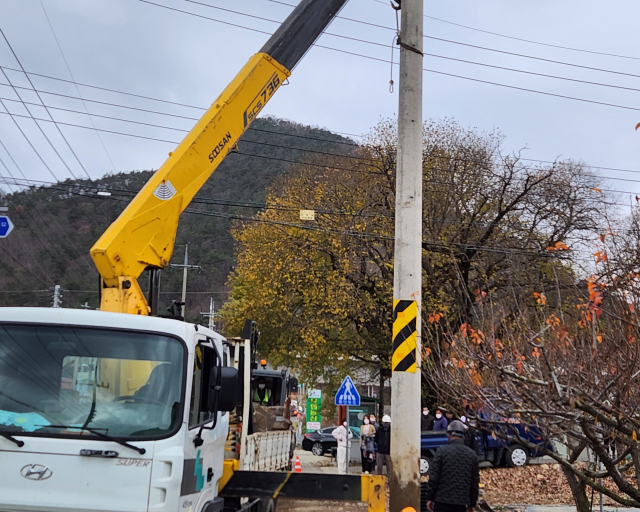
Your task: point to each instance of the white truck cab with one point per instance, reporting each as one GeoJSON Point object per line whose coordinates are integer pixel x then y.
{"type": "Point", "coordinates": [111, 412]}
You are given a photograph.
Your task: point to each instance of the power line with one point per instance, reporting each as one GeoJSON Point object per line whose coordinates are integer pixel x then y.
{"type": "Point", "coordinates": [451, 74]}
{"type": "Point", "coordinates": [283, 159]}
{"type": "Point", "coordinates": [295, 148]}
{"type": "Point", "coordinates": [152, 99]}
{"type": "Point", "coordinates": [153, 111]}
{"type": "Point", "coordinates": [268, 131]}
{"type": "Point", "coordinates": [515, 70]}
{"type": "Point", "coordinates": [518, 38]}
{"type": "Point", "coordinates": [475, 29]}
{"type": "Point", "coordinates": [45, 107]}
{"type": "Point", "coordinates": [532, 57]}
{"type": "Point", "coordinates": [205, 17]}
{"type": "Point", "coordinates": [430, 37]}
{"type": "Point", "coordinates": [31, 229]}
{"type": "Point", "coordinates": [99, 102]}
{"type": "Point", "coordinates": [363, 234]}
{"type": "Point", "coordinates": [112, 118]}
{"type": "Point", "coordinates": [40, 226]}
{"type": "Point", "coordinates": [76, 86]}
{"type": "Point", "coordinates": [251, 128]}
{"type": "Point", "coordinates": [452, 58]}
{"type": "Point", "coordinates": [89, 128]}
{"type": "Point", "coordinates": [12, 116]}
{"type": "Point", "coordinates": [324, 166]}
{"type": "Point", "coordinates": [202, 200]}
{"type": "Point", "coordinates": [293, 135]}
{"type": "Point", "coordinates": [74, 82]}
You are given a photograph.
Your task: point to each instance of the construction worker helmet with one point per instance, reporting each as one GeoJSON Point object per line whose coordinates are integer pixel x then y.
{"type": "Point", "coordinates": [386, 419]}
{"type": "Point", "coordinates": [456, 428]}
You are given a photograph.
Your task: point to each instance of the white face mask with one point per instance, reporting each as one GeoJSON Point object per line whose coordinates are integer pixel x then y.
{"type": "Point", "coordinates": [261, 386]}
{"type": "Point", "coordinates": [344, 424]}
{"type": "Point", "coordinates": [425, 413]}
{"type": "Point", "coordinates": [366, 421]}
{"type": "Point", "coordinates": [373, 420]}
{"type": "Point", "coordinates": [438, 416]}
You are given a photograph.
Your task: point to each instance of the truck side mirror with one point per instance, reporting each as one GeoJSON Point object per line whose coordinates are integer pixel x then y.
{"type": "Point", "coordinates": [222, 397]}
{"type": "Point", "coordinates": [293, 385]}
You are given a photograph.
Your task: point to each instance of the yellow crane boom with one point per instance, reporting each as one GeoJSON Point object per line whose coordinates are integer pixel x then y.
{"type": "Point", "coordinates": [144, 234]}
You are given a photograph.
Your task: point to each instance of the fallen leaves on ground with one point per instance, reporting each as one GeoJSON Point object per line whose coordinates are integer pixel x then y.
{"type": "Point", "coordinates": [539, 484]}
{"type": "Point", "coordinates": [542, 484]}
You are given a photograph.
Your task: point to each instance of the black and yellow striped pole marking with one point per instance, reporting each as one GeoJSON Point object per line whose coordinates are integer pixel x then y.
{"type": "Point", "coordinates": [405, 337]}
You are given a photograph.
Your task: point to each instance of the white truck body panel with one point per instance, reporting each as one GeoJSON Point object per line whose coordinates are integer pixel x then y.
{"type": "Point", "coordinates": [268, 451]}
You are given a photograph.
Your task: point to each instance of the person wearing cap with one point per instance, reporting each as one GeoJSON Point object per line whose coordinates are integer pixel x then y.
{"type": "Point", "coordinates": [383, 440]}
{"type": "Point", "coordinates": [453, 475]}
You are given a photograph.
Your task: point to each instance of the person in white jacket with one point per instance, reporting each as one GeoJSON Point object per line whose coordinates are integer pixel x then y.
{"type": "Point", "coordinates": [342, 435]}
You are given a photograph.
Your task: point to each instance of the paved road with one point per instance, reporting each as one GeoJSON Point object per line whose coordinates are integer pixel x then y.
{"type": "Point", "coordinates": [325, 464]}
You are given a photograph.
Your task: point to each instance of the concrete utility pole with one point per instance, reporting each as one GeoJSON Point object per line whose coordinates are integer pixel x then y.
{"type": "Point", "coordinates": [57, 296]}
{"type": "Point", "coordinates": [211, 315]}
{"type": "Point", "coordinates": [184, 281]}
{"type": "Point", "coordinates": [407, 281]}
{"type": "Point", "coordinates": [186, 267]}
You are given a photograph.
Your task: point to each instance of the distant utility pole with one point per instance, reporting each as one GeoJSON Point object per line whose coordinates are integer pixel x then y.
{"type": "Point", "coordinates": [407, 280]}
{"type": "Point", "coordinates": [57, 296]}
{"type": "Point", "coordinates": [186, 267]}
{"type": "Point", "coordinates": [211, 315]}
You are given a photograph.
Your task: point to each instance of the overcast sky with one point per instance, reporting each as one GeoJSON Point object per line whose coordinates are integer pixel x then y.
{"type": "Point", "coordinates": [139, 48]}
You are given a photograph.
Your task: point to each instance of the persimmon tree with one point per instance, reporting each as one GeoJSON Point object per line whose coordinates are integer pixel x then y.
{"type": "Point", "coordinates": [569, 367]}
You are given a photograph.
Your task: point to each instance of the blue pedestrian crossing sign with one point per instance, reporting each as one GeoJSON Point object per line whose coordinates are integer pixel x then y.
{"type": "Point", "coordinates": [347, 394]}
{"type": "Point", "coordinates": [6, 226]}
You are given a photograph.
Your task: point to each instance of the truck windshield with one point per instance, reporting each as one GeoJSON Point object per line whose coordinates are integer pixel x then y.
{"type": "Point", "coordinates": [121, 383]}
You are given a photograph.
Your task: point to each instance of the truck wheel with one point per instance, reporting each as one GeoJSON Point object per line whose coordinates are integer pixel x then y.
{"type": "Point", "coordinates": [516, 456]}
{"type": "Point", "coordinates": [425, 464]}
{"type": "Point", "coordinates": [316, 449]}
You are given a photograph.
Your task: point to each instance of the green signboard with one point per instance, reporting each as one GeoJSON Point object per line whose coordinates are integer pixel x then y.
{"type": "Point", "coordinates": [314, 410]}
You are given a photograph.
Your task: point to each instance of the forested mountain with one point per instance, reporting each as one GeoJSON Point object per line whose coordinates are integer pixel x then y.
{"type": "Point", "coordinates": [55, 226]}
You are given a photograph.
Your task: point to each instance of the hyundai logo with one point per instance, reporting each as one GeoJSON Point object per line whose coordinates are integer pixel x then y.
{"type": "Point", "coordinates": [36, 472]}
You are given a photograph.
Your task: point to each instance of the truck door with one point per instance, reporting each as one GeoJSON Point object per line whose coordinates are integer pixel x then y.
{"type": "Point", "coordinates": [204, 447]}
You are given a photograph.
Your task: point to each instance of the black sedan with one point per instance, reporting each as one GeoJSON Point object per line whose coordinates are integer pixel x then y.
{"type": "Point", "coordinates": [321, 441]}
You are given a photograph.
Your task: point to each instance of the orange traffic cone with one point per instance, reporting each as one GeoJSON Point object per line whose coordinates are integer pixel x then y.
{"type": "Point", "coordinates": [298, 466]}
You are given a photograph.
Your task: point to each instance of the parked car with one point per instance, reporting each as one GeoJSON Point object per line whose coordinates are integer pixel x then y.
{"type": "Point", "coordinates": [321, 441]}
{"type": "Point", "coordinates": [497, 451]}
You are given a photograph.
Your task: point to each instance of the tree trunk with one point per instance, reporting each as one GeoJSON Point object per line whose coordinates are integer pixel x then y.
{"type": "Point", "coordinates": [578, 490]}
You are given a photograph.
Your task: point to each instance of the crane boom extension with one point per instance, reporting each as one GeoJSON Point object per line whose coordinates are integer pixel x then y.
{"type": "Point", "coordinates": [144, 234]}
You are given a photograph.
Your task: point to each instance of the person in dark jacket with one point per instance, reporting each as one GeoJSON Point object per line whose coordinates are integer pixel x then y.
{"type": "Point", "coordinates": [453, 475]}
{"type": "Point", "coordinates": [426, 420]}
{"type": "Point", "coordinates": [470, 435]}
{"type": "Point", "coordinates": [383, 440]}
{"type": "Point", "coordinates": [441, 422]}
